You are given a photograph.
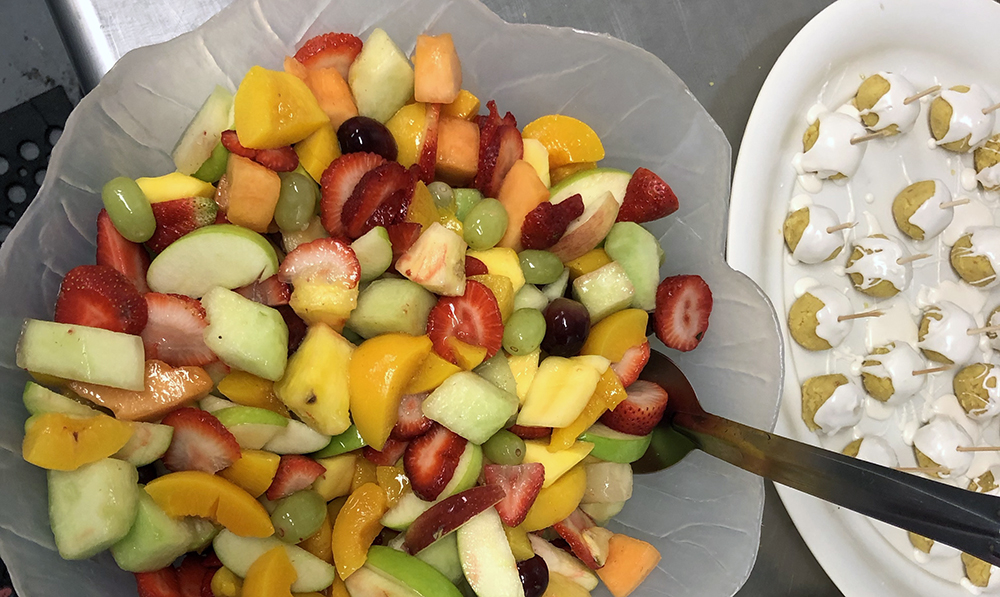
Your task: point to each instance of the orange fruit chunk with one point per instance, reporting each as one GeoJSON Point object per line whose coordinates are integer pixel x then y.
{"type": "Point", "coordinates": [356, 527]}
{"type": "Point", "coordinates": [194, 493]}
{"type": "Point", "coordinates": [629, 562]}
{"type": "Point", "coordinates": [569, 141]}
{"type": "Point", "coordinates": [561, 173]}
{"type": "Point", "coordinates": [59, 442]}
{"type": "Point", "coordinates": [166, 389]}
{"type": "Point", "coordinates": [465, 106]}
{"type": "Point", "coordinates": [617, 333]}
{"type": "Point", "coordinates": [272, 109]}
{"type": "Point", "coordinates": [271, 575]}
{"type": "Point", "coordinates": [557, 501]}
{"type": "Point", "coordinates": [469, 356]}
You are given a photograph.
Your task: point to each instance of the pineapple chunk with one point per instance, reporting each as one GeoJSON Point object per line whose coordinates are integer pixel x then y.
{"type": "Point", "coordinates": [315, 382]}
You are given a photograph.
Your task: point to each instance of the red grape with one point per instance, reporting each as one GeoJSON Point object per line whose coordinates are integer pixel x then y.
{"type": "Point", "coordinates": [567, 324]}
{"type": "Point", "coordinates": [366, 134]}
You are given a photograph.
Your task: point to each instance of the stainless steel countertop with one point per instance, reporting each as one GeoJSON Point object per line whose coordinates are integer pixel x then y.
{"type": "Point", "coordinates": [722, 49]}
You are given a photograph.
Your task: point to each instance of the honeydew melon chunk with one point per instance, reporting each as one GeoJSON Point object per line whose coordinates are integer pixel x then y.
{"type": "Point", "coordinates": [471, 406]}
{"type": "Point", "coordinates": [154, 541]}
{"type": "Point", "coordinates": [381, 78]}
{"type": "Point", "coordinates": [203, 134]}
{"type": "Point", "coordinates": [374, 252]}
{"type": "Point", "coordinates": [496, 370]}
{"type": "Point", "coordinates": [246, 335]}
{"type": "Point", "coordinates": [604, 291]}
{"type": "Point", "coordinates": [238, 553]}
{"type": "Point", "coordinates": [39, 399]}
{"type": "Point", "coordinates": [558, 288]}
{"type": "Point", "coordinates": [203, 531]}
{"type": "Point", "coordinates": [392, 305]}
{"type": "Point", "coordinates": [82, 353]}
{"type": "Point", "coordinates": [93, 507]}
{"type": "Point", "coordinates": [217, 255]}
{"type": "Point", "coordinates": [149, 441]}
{"type": "Point", "coordinates": [638, 253]}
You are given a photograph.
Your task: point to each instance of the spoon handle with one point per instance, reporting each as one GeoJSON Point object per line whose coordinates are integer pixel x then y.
{"type": "Point", "coordinates": [963, 519]}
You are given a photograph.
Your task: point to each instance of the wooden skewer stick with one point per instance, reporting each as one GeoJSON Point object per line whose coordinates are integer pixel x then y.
{"type": "Point", "coordinates": [838, 227]}
{"type": "Point", "coordinates": [992, 108]}
{"type": "Point", "coordinates": [870, 136]}
{"type": "Point", "coordinates": [978, 448]}
{"type": "Point", "coordinates": [932, 370]}
{"type": "Point", "coordinates": [912, 258]}
{"type": "Point", "coordinates": [930, 470]}
{"type": "Point", "coordinates": [875, 313]}
{"type": "Point", "coordinates": [955, 203]}
{"type": "Point", "coordinates": [984, 330]}
{"type": "Point", "coordinates": [917, 96]}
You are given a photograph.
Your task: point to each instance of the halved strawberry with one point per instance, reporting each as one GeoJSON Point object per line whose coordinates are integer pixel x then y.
{"type": "Point", "coordinates": [281, 159]}
{"type": "Point", "coordinates": [336, 50]}
{"type": "Point", "coordinates": [389, 183]}
{"type": "Point", "coordinates": [590, 546]}
{"type": "Point", "coordinates": [410, 421]}
{"type": "Point", "coordinates": [390, 453]}
{"type": "Point", "coordinates": [546, 224]}
{"type": "Point", "coordinates": [174, 330]}
{"type": "Point", "coordinates": [641, 410]}
{"type": "Point", "coordinates": [431, 459]}
{"type": "Point", "coordinates": [200, 442]}
{"type": "Point", "coordinates": [159, 583]}
{"type": "Point", "coordinates": [647, 198]}
{"type": "Point", "coordinates": [99, 296]}
{"type": "Point", "coordinates": [529, 432]}
{"type": "Point", "coordinates": [269, 291]}
{"type": "Point", "coordinates": [401, 237]}
{"type": "Point", "coordinates": [629, 368]}
{"type": "Point", "coordinates": [178, 217]}
{"type": "Point", "coordinates": [295, 473]}
{"type": "Point", "coordinates": [521, 484]}
{"type": "Point", "coordinates": [338, 182]}
{"type": "Point", "coordinates": [324, 260]}
{"type": "Point", "coordinates": [128, 258]}
{"type": "Point", "coordinates": [475, 267]}
{"type": "Point", "coordinates": [473, 318]}
{"type": "Point", "coordinates": [506, 148]}
{"type": "Point", "coordinates": [191, 575]}
{"type": "Point", "coordinates": [683, 306]}
{"type": "Point", "coordinates": [428, 152]}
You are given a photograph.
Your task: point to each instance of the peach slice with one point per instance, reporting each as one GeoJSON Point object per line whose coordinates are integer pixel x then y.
{"type": "Point", "coordinates": [356, 527]}
{"type": "Point", "coordinates": [166, 388]}
{"type": "Point", "coordinates": [432, 373]}
{"type": "Point", "coordinates": [59, 442]}
{"type": "Point", "coordinates": [557, 501]}
{"type": "Point", "coordinates": [271, 575]}
{"type": "Point", "coordinates": [253, 472]}
{"type": "Point", "coordinates": [194, 493]}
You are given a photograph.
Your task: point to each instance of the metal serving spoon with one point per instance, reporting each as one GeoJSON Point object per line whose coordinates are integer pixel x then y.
{"type": "Point", "coordinates": [963, 519]}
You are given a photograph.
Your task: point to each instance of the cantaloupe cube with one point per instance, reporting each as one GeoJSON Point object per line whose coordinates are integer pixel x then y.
{"type": "Point", "coordinates": [253, 193]}
{"type": "Point", "coordinates": [629, 562]}
{"type": "Point", "coordinates": [521, 191]}
{"type": "Point", "coordinates": [457, 151]}
{"type": "Point", "coordinates": [437, 72]}
{"type": "Point", "coordinates": [333, 94]}
{"type": "Point", "coordinates": [294, 67]}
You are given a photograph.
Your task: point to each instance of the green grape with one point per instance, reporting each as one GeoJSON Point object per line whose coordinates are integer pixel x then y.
{"type": "Point", "coordinates": [129, 209]}
{"type": "Point", "coordinates": [524, 331]}
{"type": "Point", "coordinates": [540, 267]}
{"type": "Point", "coordinates": [214, 167]}
{"type": "Point", "coordinates": [465, 200]}
{"type": "Point", "coordinates": [298, 516]}
{"type": "Point", "coordinates": [504, 448]}
{"type": "Point", "coordinates": [296, 203]}
{"type": "Point", "coordinates": [444, 197]}
{"type": "Point", "coordinates": [485, 225]}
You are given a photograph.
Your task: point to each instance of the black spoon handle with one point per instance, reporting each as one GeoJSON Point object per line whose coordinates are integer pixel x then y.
{"type": "Point", "coordinates": [963, 519]}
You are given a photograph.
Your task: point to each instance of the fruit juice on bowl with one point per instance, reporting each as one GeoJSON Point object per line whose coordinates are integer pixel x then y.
{"type": "Point", "coordinates": [642, 113]}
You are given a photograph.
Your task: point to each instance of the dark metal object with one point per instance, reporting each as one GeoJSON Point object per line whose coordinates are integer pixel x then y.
{"type": "Point", "coordinates": [963, 519]}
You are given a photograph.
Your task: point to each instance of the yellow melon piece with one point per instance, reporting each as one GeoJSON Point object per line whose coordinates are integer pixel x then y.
{"type": "Point", "coordinates": [502, 261]}
{"type": "Point", "coordinates": [556, 463]}
{"type": "Point", "coordinates": [273, 109]}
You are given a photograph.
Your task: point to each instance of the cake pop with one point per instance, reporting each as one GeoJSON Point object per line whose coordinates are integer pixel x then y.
{"type": "Point", "coordinates": [977, 388]}
{"type": "Point", "coordinates": [986, 159]}
{"type": "Point", "coordinates": [831, 403]}
{"type": "Point", "coordinates": [881, 101]}
{"type": "Point", "coordinates": [813, 234]}
{"type": "Point", "coordinates": [827, 149]}
{"type": "Point", "coordinates": [821, 318]}
{"type": "Point", "coordinates": [879, 266]}
{"type": "Point", "coordinates": [874, 449]}
{"type": "Point", "coordinates": [936, 446]}
{"type": "Point", "coordinates": [960, 118]}
{"type": "Point", "coordinates": [943, 335]}
{"type": "Point", "coordinates": [976, 256]}
{"type": "Point", "coordinates": [924, 209]}
{"type": "Point", "coordinates": [888, 373]}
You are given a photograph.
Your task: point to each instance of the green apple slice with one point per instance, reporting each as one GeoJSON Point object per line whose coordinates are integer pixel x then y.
{"type": "Point", "coordinates": [487, 561]}
{"type": "Point", "coordinates": [416, 574]}
{"type": "Point", "coordinates": [252, 427]}
{"type": "Point", "coordinates": [244, 334]}
{"type": "Point", "coordinates": [297, 438]}
{"type": "Point", "coordinates": [218, 255]}
{"type": "Point", "coordinates": [214, 404]}
{"type": "Point", "coordinates": [39, 399]}
{"type": "Point", "coordinates": [615, 446]}
{"type": "Point", "coordinates": [369, 582]}
{"type": "Point", "coordinates": [238, 553]}
{"type": "Point", "coordinates": [154, 541]}
{"type": "Point", "coordinates": [82, 353]}
{"type": "Point", "coordinates": [347, 441]}
{"type": "Point", "coordinates": [203, 134]}
{"type": "Point", "coordinates": [443, 556]}
{"type": "Point", "coordinates": [149, 441]}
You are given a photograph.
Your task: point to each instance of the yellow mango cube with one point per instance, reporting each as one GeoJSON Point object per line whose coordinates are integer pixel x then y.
{"type": "Point", "coordinates": [173, 186]}
{"type": "Point", "coordinates": [408, 127]}
{"type": "Point", "coordinates": [318, 150]}
{"type": "Point", "coordinates": [558, 463]}
{"type": "Point", "coordinates": [586, 263]}
{"type": "Point", "coordinates": [502, 261]}
{"type": "Point", "coordinates": [608, 394]}
{"type": "Point", "coordinates": [59, 442]}
{"type": "Point", "coordinates": [465, 106]}
{"type": "Point", "coordinates": [273, 109]}
{"type": "Point", "coordinates": [432, 373]}
{"type": "Point", "coordinates": [617, 333]}
{"type": "Point", "coordinates": [469, 356]}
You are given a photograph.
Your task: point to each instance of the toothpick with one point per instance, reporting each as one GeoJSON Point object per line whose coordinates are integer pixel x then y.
{"type": "Point", "coordinates": [932, 370]}
{"type": "Point", "coordinates": [917, 96]}
{"type": "Point", "coordinates": [870, 136]}
{"type": "Point", "coordinates": [955, 203]}
{"type": "Point", "coordinates": [985, 330]}
{"type": "Point", "coordinates": [875, 313]}
{"type": "Point", "coordinates": [912, 258]}
{"type": "Point", "coordinates": [978, 448]}
{"type": "Point", "coordinates": [838, 227]}
{"type": "Point", "coordinates": [930, 470]}
{"type": "Point", "coordinates": [992, 108]}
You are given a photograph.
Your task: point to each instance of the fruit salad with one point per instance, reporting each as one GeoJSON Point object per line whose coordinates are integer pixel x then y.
{"type": "Point", "coordinates": [368, 338]}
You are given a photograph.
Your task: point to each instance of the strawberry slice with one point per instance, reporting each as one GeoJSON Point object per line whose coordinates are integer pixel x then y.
{"type": "Point", "coordinates": [506, 148]}
{"type": "Point", "coordinates": [389, 183]}
{"type": "Point", "coordinates": [269, 291]}
{"type": "Point", "coordinates": [338, 183]}
{"type": "Point", "coordinates": [296, 327]}
{"type": "Point", "coordinates": [174, 330]}
{"type": "Point", "coordinates": [647, 198]}
{"type": "Point", "coordinates": [324, 260]}
{"type": "Point", "coordinates": [546, 224]}
{"type": "Point", "coordinates": [295, 473]}
{"type": "Point", "coordinates": [191, 575]}
{"type": "Point", "coordinates": [231, 141]}
{"type": "Point", "coordinates": [521, 484]}
{"type": "Point", "coordinates": [641, 410]}
{"type": "Point", "coordinates": [390, 454]}
{"type": "Point", "coordinates": [473, 318]}
{"type": "Point", "coordinates": [128, 258]}
{"type": "Point", "coordinates": [200, 442]}
{"type": "Point", "coordinates": [410, 420]}
{"type": "Point", "coordinates": [401, 237]}
{"type": "Point", "coordinates": [178, 217]}
{"type": "Point", "coordinates": [281, 159]}
{"type": "Point", "coordinates": [428, 153]}
{"type": "Point", "coordinates": [99, 296]}
{"type": "Point", "coordinates": [431, 459]}
{"type": "Point", "coordinates": [683, 306]}
{"type": "Point", "coordinates": [159, 583]}
{"type": "Point", "coordinates": [330, 50]}
{"type": "Point", "coordinates": [529, 432]}
{"type": "Point", "coordinates": [475, 267]}
{"type": "Point", "coordinates": [590, 546]}
{"type": "Point", "coordinates": [629, 368]}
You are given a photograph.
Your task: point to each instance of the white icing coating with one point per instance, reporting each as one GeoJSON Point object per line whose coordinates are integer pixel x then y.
{"type": "Point", "coordinates": [810, 183]}
{"type": "Point", "coordinates": [833, 153]}
{"type": "Point", "coordinates": [869, 198]}
{"type": "Point", "coordinates": [930, 216]}
{"type": "Point", "coordinates": [989, 177]}
{"type": "Point", "coordinates": [895, 324]}
{"type": "Point", "coordinates": [948, 335]}
{"type": "Point", "coordinates": [802, 286]}
{"type": "Point", "coordinates": [994, 319]}
{"type": "Point", "coordinates": [938, 551]}
{"type": "Point", "coordinates": [816, 244]}
{"type": "Point", "coordinates": [842, 409]}
{"type": "Point", "coordinates": [992, 406]}
{"type": "Point", "coordinates": [898, 366]}
{"type": "Point", "coordinates": [799, 201]}
{"type": "Point", "coordinates": [890, 108]}
{"type": "Point", "coordinates": [835, 305]}
{"type": "Point", "coordinates": [968, 215]}
{"type": "Point", "coordinates": [985, 243]}
{"type": "Point", "coordinates": [948, 406]}
{"type": "Point", "coordinates": [967, 297]}
{"type": "Point", "coordinates": [871, 222]}
{"type": "Point", "coordinates": [938, 440]}
{"type": "Point", "coordinates": [876, 450]}
{"type": "Point", "coordinates": [967, 116]}
{"type": "Point", "coordinates": [814, 112]}
{"type": "Point", "coordinates": [878, 262]}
